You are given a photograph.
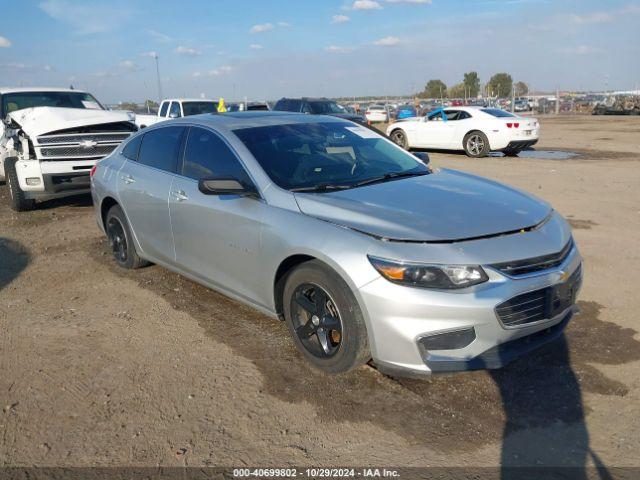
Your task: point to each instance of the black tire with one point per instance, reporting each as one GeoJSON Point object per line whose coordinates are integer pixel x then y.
{"type": "Point", "coordinates": [121, 240]}
{"type": "Point", "coordinates": [342, 325]}
{"type": "Point", "coordinates": [17, 200]}
{"type": "Point", "coordinates": [511, 153]}
{"type": "Point", "coordinates": [476, 144]}
{"type": "Point", "coordinates": [400, 138]}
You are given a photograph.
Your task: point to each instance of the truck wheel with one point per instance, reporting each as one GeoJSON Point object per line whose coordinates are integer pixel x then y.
{"type": "Point", "coordinates": [121, 240]}
{"type": "Point", "coordinates": [324, 318]}
{"type": "Point", "coordinates": [17, 200]}
{"type": "Point", "coordinates": [476, 144]}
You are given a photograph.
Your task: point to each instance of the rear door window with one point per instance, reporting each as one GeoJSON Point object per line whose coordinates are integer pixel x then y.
{"type": "Point", "coordinates": [131, 149]}
{"type": "Point", "coordinates": [161, 147]}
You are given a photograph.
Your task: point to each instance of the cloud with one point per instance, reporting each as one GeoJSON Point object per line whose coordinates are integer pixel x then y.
{"type": "Point", "coordinates": [216, 72]}
{"type": "Point", "coordinates": [187, 51]}
{"type": "Point", "coordinates": [284, 24]}
{"type": "Point", "coordinates": [151, 54]}
{"type": "Point", "coordinates": [366, 5]}
{"type": "Point", "coordinates": [591, 18]}
{"type": "Point", "coordinates": [87, 17]}
{"type": "Point", "coordinates": [338, 49]}
{"type": "Point", "coordinates": [414, 2]}
{"type": "Point", "coordinates": [261, 27]}
{"type": "Point", "coordinates": [159, 36]}
{"type": "Point", "coordinates": [387, 42]}
{"type": "Point", "coordinates": [339, 19]}
{"type": "Point", "coordinates": [256, 46]}
{"type": "Point", "coordinates": [4, 42]}
{"type": "Point", "coordinates": [128, 65]}
{"type": "Point", "coordinates": [580, 50]}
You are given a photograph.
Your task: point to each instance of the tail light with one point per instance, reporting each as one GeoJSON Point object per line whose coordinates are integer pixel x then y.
{"type": "Point", "coordinates": [93, 170]}
{"type": "Point", "coordinates": [509, 125]}
{"type": "Point", "coordinates": [516, 125]}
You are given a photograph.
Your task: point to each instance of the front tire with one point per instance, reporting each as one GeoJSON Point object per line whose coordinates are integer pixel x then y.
{"type": "Point", "coordinates": [400, 138]}
{"type": "Point", "coordinates": [324, 319]}
{"type": "Point", "coordinates": [17, 200]}
{"type": "Point", "coordinates": [121, 240]}
{"type": "Point", "coordinates": [476, 144]}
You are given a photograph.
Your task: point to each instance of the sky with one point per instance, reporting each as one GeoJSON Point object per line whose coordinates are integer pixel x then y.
{"type": "Point", "coordinates": [266, 49]}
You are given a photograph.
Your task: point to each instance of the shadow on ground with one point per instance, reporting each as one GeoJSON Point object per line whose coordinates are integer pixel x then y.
{"type": "Point", "coordinates": [14, 258]}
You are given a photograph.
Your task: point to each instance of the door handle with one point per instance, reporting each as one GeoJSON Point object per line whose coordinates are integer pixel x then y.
{"type": "Point", "coordinates": [128, 179]}
{"type": "Point", "coordinates": [180, 196]}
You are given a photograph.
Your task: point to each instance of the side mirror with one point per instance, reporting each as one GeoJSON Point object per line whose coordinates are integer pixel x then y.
{"type": "Point", "coordinates": [174, 115]}
{"type": "Point", "coordinates": [422, 156]}
{"type": "Point", "coordinates": [225, 186]}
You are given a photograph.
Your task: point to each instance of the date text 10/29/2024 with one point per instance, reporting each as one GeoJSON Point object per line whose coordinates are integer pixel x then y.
{"type": "Point", "coordinates": [315, 473]}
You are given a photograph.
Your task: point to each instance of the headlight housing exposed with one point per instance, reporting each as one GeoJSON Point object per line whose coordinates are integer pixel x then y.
{"type": "Point", "coordinates": [443, 277]}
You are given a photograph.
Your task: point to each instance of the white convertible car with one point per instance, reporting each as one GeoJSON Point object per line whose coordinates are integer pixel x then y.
{"type": "Point", "coordinates": [476, 130]}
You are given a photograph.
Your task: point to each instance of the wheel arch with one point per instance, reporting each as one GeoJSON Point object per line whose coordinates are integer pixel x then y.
{"type": "Point", "coordinates": [105, 206]}
{"type": "Point", "coordinates": [280, 278]}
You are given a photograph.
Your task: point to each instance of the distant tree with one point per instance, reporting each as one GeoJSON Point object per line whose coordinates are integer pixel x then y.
{"type": "Point", "coordinates": [128, 106]}
{"type": "Point", "coordinates": [435, 89]}
{"type": "Point", "coordinates": [457, 91]}
{"type": "Point", "coordinates": [520, 89]}
{"type": "Point", "coordinates": [500, 85]}
{"type": "Point", "coordinates": [472, 83]}
{"type": "Point", "coordinates": [151, 104]}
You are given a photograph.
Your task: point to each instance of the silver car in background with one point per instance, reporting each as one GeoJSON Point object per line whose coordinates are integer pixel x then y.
{"type": "Point", "coordinates": [362, 249]}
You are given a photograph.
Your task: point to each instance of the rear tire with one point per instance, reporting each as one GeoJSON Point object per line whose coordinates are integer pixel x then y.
{"type": "Point", "coordinates": [324, 318]}
{"type": "Point", "coordinates": [17, 200]}
{"type": "Point", "coordinates": [121, 240]}
{"type": "Point", "coordinates": [476, 144]}
{"type": "Point", "coordinates": [400, 138]}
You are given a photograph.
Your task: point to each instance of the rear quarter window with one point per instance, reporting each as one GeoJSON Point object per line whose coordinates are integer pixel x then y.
{"type": "Point", "coordinates": [132, 148]}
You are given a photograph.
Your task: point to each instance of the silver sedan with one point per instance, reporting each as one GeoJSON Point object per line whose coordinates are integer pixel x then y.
{"type": "Point", "coordinates": [363, 250]}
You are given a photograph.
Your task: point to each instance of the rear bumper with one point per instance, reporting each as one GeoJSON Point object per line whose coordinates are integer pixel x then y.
{"type": "Point", "coordinates": [521, 144]}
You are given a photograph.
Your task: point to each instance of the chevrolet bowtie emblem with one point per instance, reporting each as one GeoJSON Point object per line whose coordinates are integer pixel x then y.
{"type": "Point", "coordinates": [88, 144]}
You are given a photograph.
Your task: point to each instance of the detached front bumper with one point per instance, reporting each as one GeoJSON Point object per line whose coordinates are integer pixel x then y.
{"type": "Point", "coordinates": [414, 332]}
{"type": "Point", "coordinates": [521, 144]}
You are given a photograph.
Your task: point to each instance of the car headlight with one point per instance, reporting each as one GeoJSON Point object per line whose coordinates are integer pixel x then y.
{"type": "Point", "coordinates": [429, 275]}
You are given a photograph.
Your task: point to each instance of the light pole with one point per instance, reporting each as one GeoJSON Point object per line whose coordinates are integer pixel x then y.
{"type": "Point", "coordinates": [155, 56]}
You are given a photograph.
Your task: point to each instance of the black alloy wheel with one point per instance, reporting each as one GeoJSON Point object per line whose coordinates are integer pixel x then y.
{"type": "Point", "coordinates": [316, 320]}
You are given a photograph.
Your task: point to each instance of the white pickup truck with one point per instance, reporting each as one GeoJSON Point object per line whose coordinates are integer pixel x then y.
{"type": "Point", "coordinates": [50, 139]}
{"type": "Point", "coordinates": [176, 108]}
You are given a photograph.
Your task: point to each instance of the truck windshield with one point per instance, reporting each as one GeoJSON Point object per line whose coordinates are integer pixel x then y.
{"type": "Point", "coordinates": [196, 108]}
{"type": "Point", "coordinates": [20, 100]}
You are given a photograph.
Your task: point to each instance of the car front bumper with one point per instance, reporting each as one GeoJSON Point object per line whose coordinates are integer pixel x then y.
{"type": "Point", "coordinates": [400, 318]}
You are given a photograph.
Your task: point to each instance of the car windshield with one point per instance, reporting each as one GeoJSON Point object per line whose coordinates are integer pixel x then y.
{"type": "Point", "coordinates": [196, 108]}
{"type": "Point", "coordinates": [496, 112]}
{"type": "Point", "coordinates": [326, 107]}
{"type": "Point", "coordinates": [327, 155]}
{"type": "Point", "coordinates": [20, 100]}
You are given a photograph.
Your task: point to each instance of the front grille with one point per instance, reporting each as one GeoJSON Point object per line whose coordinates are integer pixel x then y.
{"type": "Point", "coordinates": [79, 146]}
{"type": "Point", "coordinates": [77, 152]}
{"type": "Point", "coordinates": [541, 304]}
{"type": "Point", "coordinates": [535, 264]}
{"type": "Point", "coordinates": [96, 137]}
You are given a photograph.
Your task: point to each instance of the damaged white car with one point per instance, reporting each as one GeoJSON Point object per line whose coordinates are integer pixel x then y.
{"type": "Point", "coordinates": [50, 139]}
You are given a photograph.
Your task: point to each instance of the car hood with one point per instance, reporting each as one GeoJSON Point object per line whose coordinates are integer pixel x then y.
{"type": "Point", "coordinates": [444, 206]}
{"type": "Point", "coordinates": [37, 121]}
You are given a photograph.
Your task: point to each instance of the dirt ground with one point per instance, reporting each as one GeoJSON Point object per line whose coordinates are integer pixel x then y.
{"type": "Point", "coordinates": [100, 366]}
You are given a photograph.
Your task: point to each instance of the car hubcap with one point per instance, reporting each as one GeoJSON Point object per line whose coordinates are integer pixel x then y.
{"type": "Point", "coordinates": [475, 144]}
{"type": "Point", "coordinates": [117, 239]}
{"type": "Point", "coordinates": [399, 139]}
{"type": "Point", "coordinates": [316, 320]}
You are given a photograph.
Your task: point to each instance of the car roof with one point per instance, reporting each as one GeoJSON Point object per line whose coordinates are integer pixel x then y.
{"type": "Point", "coordinates": [252, 118]}
{"type": "Point", "coordinates": [4, 90]}
{"type": "Point", "coordinates": [309, 99]}
{"type": "Point", "coordinates": [188, 100]}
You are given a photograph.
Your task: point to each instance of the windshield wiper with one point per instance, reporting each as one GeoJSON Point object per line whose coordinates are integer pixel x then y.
{"type": "Point", "coordinates": [389, 176]}
{"type": "Point", "coordinates": [322, 187]}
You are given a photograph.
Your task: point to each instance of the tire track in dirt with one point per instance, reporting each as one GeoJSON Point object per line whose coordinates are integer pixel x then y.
{"type": "Point", "coordinates": [433, 411]}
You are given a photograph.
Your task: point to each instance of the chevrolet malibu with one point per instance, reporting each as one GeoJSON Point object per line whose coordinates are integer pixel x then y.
{"type": "Point", "coordinates": [366, 252]}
